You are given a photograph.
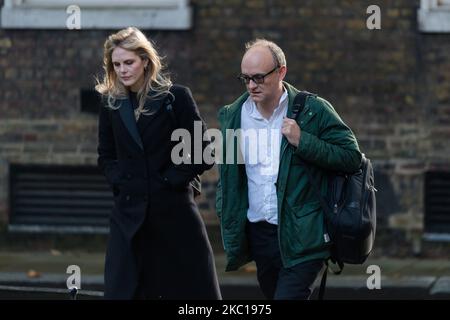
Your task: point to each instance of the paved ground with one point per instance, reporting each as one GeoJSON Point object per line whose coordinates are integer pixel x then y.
{"type": "Point", "coordinates": [400, 278]}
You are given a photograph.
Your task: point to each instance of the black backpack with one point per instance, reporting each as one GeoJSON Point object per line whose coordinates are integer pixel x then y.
{"type": "Point", "coordinates": [196, 182]}
{"type": "Point", "coordinates": [349, 207]}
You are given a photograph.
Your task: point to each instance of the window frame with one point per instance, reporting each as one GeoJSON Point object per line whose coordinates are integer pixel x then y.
{"type": "Point", "coordinates": [433, 16]}
{"type": "Point", "coordinates": [97, 14]}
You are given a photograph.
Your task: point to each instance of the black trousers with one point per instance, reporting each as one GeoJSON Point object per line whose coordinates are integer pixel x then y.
{"type": "Point", "coordinates": [275, 281]}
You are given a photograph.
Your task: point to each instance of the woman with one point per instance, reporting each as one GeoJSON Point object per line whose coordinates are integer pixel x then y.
{"type": "Point", "coordinates": [158, 247]}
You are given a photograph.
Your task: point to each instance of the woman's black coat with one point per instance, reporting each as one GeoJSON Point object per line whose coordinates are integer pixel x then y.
{"type": "Point", "coordinates": [136, 160]}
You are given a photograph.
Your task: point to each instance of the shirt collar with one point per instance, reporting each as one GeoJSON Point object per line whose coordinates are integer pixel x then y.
{"type": "Point", "coordinates": [252, 110]}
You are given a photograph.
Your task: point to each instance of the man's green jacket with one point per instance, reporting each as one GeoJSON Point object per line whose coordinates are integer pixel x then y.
{"type": "Point", "coordinates": [326, 143]}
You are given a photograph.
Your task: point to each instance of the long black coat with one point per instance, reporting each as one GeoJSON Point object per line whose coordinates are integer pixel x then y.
{"type": "Point", "coordinates": [136, 160]}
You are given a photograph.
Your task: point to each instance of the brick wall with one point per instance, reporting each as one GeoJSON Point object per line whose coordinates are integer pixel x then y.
{"type": "Point", "coordinates": [392, 86]}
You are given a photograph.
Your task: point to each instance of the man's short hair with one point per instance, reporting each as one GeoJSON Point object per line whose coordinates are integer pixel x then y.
{"type": "Point", "coordinates": [278, 55]}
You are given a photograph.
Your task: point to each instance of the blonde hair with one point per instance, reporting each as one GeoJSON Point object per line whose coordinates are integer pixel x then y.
{"type": "Point", "coordinates": [155, 81]}
{"type": "Point", "coordinates": [278, 55]}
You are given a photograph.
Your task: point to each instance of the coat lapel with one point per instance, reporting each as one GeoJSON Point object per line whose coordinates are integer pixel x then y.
{"type": "Point", "coordinates": [127, 115]}
{"type": "Point", "coordinates": [231, 118]}
{"type": "Point", "coordinates": [155, 106]}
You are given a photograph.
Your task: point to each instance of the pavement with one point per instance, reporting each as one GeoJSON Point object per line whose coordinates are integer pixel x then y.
{"type": "Point", "coordinates": [43, 275]}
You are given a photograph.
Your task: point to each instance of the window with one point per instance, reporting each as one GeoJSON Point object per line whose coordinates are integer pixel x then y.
{"type": "Point", "coordinates": [97, 14]}
{"type": "Point", "coordinates": [434, 16]}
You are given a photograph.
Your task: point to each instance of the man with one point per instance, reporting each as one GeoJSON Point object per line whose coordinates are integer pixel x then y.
{"type": "Point", "coordinates": [268, 210]}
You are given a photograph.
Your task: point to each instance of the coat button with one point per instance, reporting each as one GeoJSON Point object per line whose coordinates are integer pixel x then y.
{"type": "Point", "coordinates": [128, 198]}
{"type": "Point", "coordinates": [128, 176]}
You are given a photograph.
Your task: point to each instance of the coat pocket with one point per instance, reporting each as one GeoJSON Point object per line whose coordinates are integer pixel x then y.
{"type": "Point", "coordinates": [307, 230]}
{"type": "Point", "coordinates": [117, 183]}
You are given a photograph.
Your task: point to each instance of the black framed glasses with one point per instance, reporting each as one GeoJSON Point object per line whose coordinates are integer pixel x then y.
{"type": "Point", "coordinates": [257, 78]}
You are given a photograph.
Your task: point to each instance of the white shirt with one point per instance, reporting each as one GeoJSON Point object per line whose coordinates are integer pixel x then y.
{"type": "Point", "coordinates": [260, 147]}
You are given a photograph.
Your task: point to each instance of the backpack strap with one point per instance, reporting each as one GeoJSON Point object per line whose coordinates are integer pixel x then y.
{"type": "Point", "coordinates": [327, 210]}
{"type": "Point", "coordinates": [299, 103]}
{"type": "Point", "coordinates": [297, 108]}
{"type": "Point", "coordinates": [323, 282]}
